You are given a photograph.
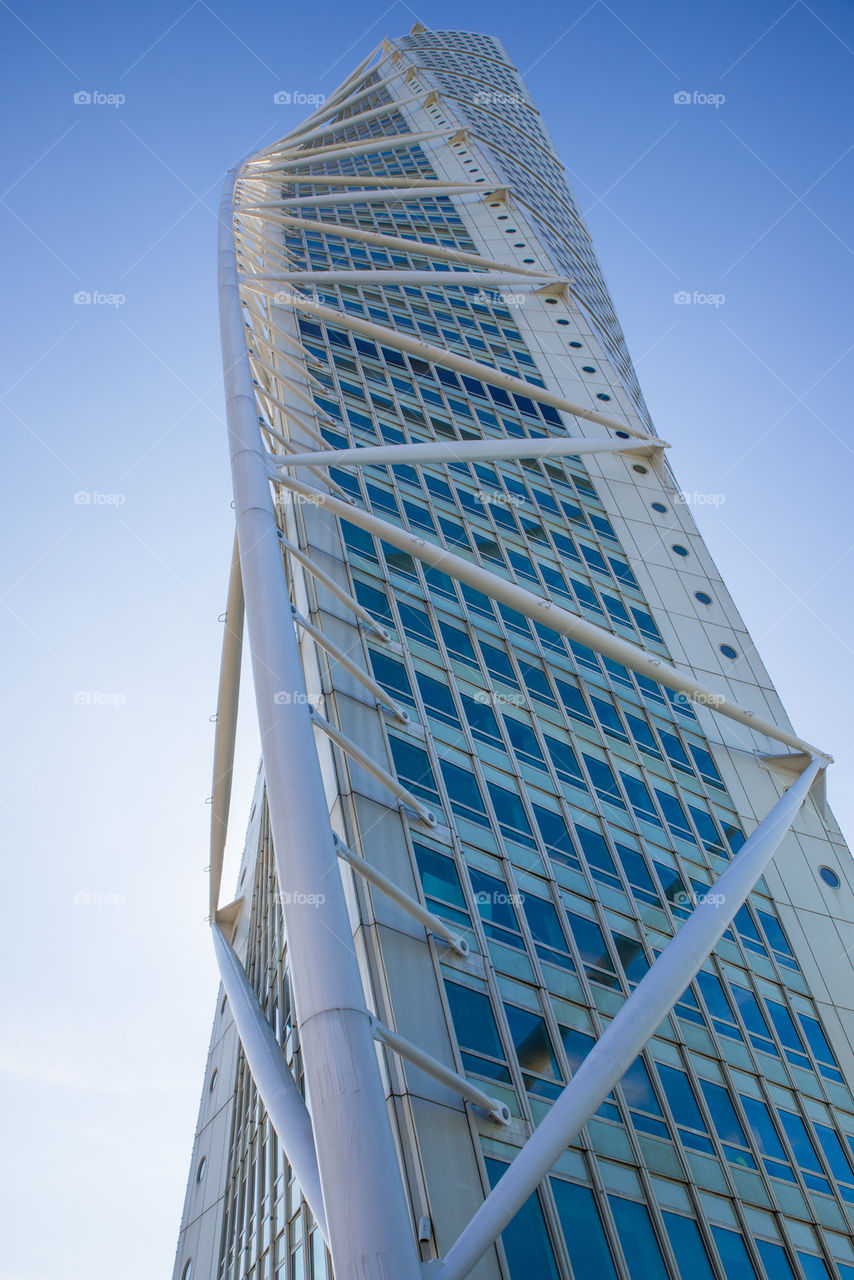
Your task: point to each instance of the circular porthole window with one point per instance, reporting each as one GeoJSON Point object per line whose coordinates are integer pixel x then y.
{"type": "Point", "coordinates": [214, 1079]}
{"type": "Point", "coordinates": [829, 876]}
{"type": "Point", "coordinates": [577, 345]}
{"type": "Point", "coordinates": [624, 435]}
{"type": "Point", "coordinates": [588, 368]}
{"type": "Point", "coordinates": [728, 651]}
{"type": "Point", "coordinates": [531, 260]}
{"type": "Point", "coordinates": [658, 506]}
{"type": "Point", "coordinates": [600, 395]}
{"type": "Point", "coordinates": [679, 549]}
{"type": "Point", "coordinates": [702, 597]}
{"type": "Point", "coordinates": [188, 1269]}
{"type": "Point", "coordinates": [200, 1172]}
{"type": "Point", "coordinates": [552, 302]}
{"type": "Point", "coordinates": [561, 320]}
{"type": "Point", "coordinates": [642, 471]}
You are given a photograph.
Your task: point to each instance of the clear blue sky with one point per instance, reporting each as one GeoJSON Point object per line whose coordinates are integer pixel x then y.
{"type": "Point", "coordinates": [107, 1000]}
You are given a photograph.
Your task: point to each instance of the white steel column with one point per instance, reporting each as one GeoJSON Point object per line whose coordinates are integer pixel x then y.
{"type": "Point", "coordinates": [272, 1075]}
{"type": "Point", "coordinates": [464, 451]}
{"type": "Point", "coordinates": [634, 1025]}
{"type": "Point", "coordinates": [371, 1236]}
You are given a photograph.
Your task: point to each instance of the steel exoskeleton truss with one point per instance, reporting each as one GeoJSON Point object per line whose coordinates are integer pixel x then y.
{"type": "Point", "coordinates": [360, 1207]}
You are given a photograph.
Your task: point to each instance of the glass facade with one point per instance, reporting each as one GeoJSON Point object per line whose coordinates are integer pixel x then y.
{"type": "Point", "coordinates": [581, 812]}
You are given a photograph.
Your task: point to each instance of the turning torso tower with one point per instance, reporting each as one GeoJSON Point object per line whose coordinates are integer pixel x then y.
{"type": "Point", "coordinates": [539, 964]}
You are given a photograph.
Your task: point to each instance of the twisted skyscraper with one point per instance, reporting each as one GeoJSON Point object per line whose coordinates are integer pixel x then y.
{"type": "Point", "coordinates": [540, 963]}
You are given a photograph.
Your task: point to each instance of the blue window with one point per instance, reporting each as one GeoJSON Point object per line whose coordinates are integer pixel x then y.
{"type": "Point", "coordinates": [495, 905]}
{"type": "Point", "coordinates": [734, 1255]}
{"type": "Point", "coordinates": [686, 1112]}
{"type": "Point", "coordinates": [416, 623]}
{"type": "Point", "coordinates": [593, 949]}
{"type": "Point", "coordinates": [643, 736]}
{"type": "Point", "coordinates": [638, 875]}
{"type": "Point", "coordinates": [441, 883]}
{"type": "Point", "coordinates": [534, 1051]}
{"type": "Point", "coordinates": [511, 815]}
{"type": "Point", "coordinates": [544, 923]}
{"type": "Point", "coordinates": [677, 895]}
{"type": "Point", "coordinates": [498, 664]}
{"type": "Point", "coordinates": [777, 938]}
{"type": "Point", "coordinates": [597, 855]}
{"type": "Point", "coordinates": [466, 800]}
{"type": "Point", "coordinates": [375, 601]}
{"type": "Point", "coordinates": [414, 770]}
{"type": "Point", "coordinates": [477, 1033]}
{"type": "Point", "coordinates": [806, 1155]}
{"type": "Point", "coordinates": [565, 762]}
{"type": "Point", "coordinates": [524, 742]}
{"type": "Point", "coordinates": [458, 644]}
{"type": "Point", "coordinates": [709, 834]}
{"type": "Point", "coordinates": [525, 1238]}
{"type": "Point", "coordinates": [632, 957]}
{"type": "Point", "coordinates": [555, 836]}
{"type": "Point", "coordinates": [767, 1139]}
{"type": "Point", "coordinates": [638, 1238]}
{"type": "Point", "coordinates": [723, 1019]}
{"type": "Point", "coordinates": [604, 782]}
{"type": "Point", "coordinates": [821, 1049]}
{"type": "Point", "coordinates": [640, 799]}
{"type": "Point", "coordinates": [537, 684]}
{"type": "Point", "coordinates": [645, 624]}
{"type": "Point", "coordinates": [727, 1124]}
{"type": "Point", "coordinates": [754, 1019]}
{"type": "Point", "coordinates": [837, 1157]}
{"type": "Point", "coordinates": [775, 1260]}
{"type": "Point", "coordinates": [609, 718]}
{"type": "Point", "coordinates": [437, 699]}
{"type": "Point", "coordinates": [583, 1232]}
{"type": "Point", "coordinates": [482, 721]}
{"type": "Point", "coordinates": [788, 1033]}
{"type": "Point", "coordinates": [813, 1267]}
{"type": "Point", "coordinates": [688, 1248]}
{"type": "Point", "coordinates": [622, 572]}
{"type": "Point", "coordinates": [640, 1098]}
{"type": "Point", "coordinates": [675, 752]}
{"type": "Point", "coordinates": [706, 766]}
{"type": "Point", "coordinates": [573, 701]}
{"type": "Point", "coordinates": [392, 676]}
{"type": "Point", "coordinates": [675, 815]}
